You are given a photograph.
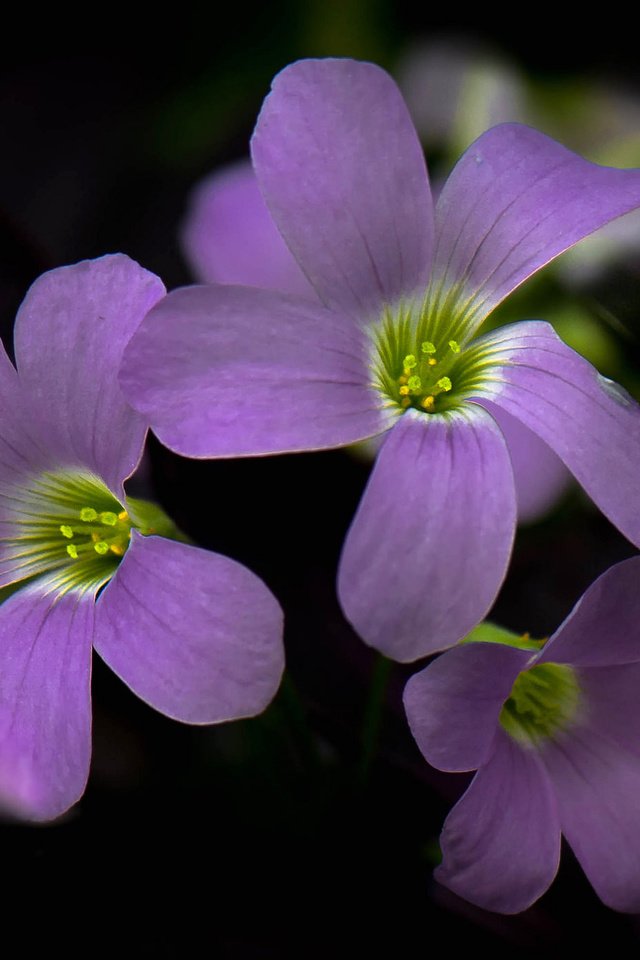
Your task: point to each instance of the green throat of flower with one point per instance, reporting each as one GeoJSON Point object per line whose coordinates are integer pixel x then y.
{"type": "Point", "coordinates": [544, 700]}
{"type": "Point", "coordinates": [412, 368]}
{"type": "Point", "coordinates": [68, 524]}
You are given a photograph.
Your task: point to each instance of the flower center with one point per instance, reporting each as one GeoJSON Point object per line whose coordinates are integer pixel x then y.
{"type": "Point", "coordinates": [412, 370]}
{"type": "Point", "coordinates": [70, 522]}
{"type": "Point", "coordinates": [544, 700]}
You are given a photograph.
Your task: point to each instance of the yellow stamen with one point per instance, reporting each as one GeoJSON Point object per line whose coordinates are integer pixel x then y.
{"type": "Point", "coordinates": [444, 383]}
{"type": "Point", "coordinates": [404, 390]}
{"type": "Point", "coordinates": [123, 515]}
{"type": "Point", "coordinates": [88, 514]}
{"type": "Point", "coordinates": [117, 549]}
{"type": "Point", "coordinates": [108, 518]}
{"type": "Point", "coordinates": [66, 531]}
{"type": "Point", "coordinates": [101, 547]}
{"type": "Point", "coordinates": [72, 551]}
{"type": "Point", "coordinates": [432, 361]}
{"type": "Point", "coordinates": [427, 403]}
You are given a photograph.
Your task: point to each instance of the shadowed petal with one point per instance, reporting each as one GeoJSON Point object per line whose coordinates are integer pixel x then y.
{"type": "Point", "coordinates": [429, 545]}
{"type": "Point", "coordinates": [225, 371]}
{"type": "Point", "coordinates": [194, 634]}
{"type": "Point", "coordinates": [514, 201]}
{"type": "Point", "coordinates": [342, 171]}
{"type": "Point", "coordinates": [539, 474]}
{"type": "Point", "coordinates": [501, 842]}
{"type": "Point", "coordinates": [595, 770]}
{"type": "Point", "coordinates": [453, 705]}
{"type": "Point", "coordinates": [229, 236]}
{"type": "Point", "coordinates": [590, 422]}
{"type": "Point", "coordinates": [602, 628]}
{"type": "Point", "coordinates": [69, 336]}
{"type": "Point", "coordinates": [45, 705]}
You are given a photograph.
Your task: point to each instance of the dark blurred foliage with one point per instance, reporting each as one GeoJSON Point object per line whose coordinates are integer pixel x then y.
{"type": "Point", "coordinates": [310, 831]}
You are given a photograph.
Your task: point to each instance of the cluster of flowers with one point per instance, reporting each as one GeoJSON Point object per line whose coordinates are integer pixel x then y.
{"type": "Point", "coordinates": [359, 318]}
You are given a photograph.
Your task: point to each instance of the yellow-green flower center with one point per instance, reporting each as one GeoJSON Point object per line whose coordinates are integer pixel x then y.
{"type": "Point", "coordinates": [68, 523]}
{"type": "Point", "coordinates": [544, 700]}
{"type": "Point", "coordinates": [411, 370]}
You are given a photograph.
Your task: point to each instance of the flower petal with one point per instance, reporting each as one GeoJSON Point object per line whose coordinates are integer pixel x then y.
{"type": "Point", "coordinates": [430, 543]}
{"type": "Point", "coordinates": [194, 634]}
{"type": "Point", "coordinates": [45, 700]}
{"type": "Point", "coordinates": [515, 200]}
{"type": "Point", "coordinates": [602, 628]}
{"type": "Point", "coordinates": [225, 371]}
{"type": "Point", "coordinates": [229, 236]}
{"type": "Point", "coordinates": [69, 336]}
{"type": "Point", "coordinates": [342, 170]}
{"type": "Point", "coordinates": [501, 841]}
{"type": "Point", "coordinates": [22, 449]}
{"type": "Point", "coordinates": [590, 422]}
{"type": "Point", "coordinates": [596, 778]}
{"type": "Point", "coordinates": [453, 705]}
{"type": "Point", "coordinates": [539, 474]}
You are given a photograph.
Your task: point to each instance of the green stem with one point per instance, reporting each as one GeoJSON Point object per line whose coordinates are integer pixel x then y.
{"type": "Point", "coordinates": [372, 716]}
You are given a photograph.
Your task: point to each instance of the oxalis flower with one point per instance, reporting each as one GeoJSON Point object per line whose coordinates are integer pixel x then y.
{"type": "Point", "coordinates": [229, 237]}
{"type": "Point", "coordinates": [194, 634]}
{"type": "Point", "coordinates": [232, 371]}
{"type": "Point", "coordinates": [555, 735]}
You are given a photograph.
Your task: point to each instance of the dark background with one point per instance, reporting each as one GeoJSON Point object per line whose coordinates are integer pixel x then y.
{"type": "Point", "coordinates": [312, 830]}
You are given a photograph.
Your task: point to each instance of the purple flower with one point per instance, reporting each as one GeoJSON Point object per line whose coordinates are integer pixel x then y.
{"type": "Point", "coordinates": [555, 736]}
{"type": "Point", "coordinates": [192, 633]}
{"type": "Point", "coordinates": [226, 371]}
{"type": "Point", "coordinates": [229, 237]}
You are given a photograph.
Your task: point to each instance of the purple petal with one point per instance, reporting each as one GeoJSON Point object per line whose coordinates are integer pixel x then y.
{"type": "Point", "coordinates": [69, 336]}
{"type": "Point", "coordinates": [430, 543]}
{"type": "Point", "coordinates": [45, 700]}
{"type": "Point", "coordinates": [539, 474]}
{"type": "Point", "coordinates": [194, 634]}
{"type": "Point", "coordinates": [453, 705]}
{"type": "Point", "coordinates": [595, 770]}
{"type": "Point", "coordinates": [602, 629]}
{"type": "Point", "coordinates": [230, 237]}
{"type": "Point", "coordinates": [225, 371]}
{"type": "Point", "coordinates": [22, 449]}
{"type": "Point", "coordinates": [341, 168]}
{"type": "Point", "coordinates": [515, 200]}
{"type": "Point", "coordinates": [590, 422]}
{"type": "Point", "coordinates": [501, 841]}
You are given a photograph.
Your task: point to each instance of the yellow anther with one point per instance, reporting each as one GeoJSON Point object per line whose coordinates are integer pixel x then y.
{"type": "Point", "coordinates": [88, 514]}
{"type": "Point", "coordinates": [454, 346]}
{"type": "Point", "coordinates": [95, 536]}
{"type": "Point", "coordinates": [428, 347]}
{"type": "Point", "coordinates": [427, 403]}
{"type": "Point", "coordinates": [72, 551]}
{"type": "Point", "coordinates": [402, 379]}
{"type": "Point", "coordinates": [117, 549]}
{"type": "Point", "coordinates": [432, 361]}
{"type": "Point", "coordinates": [108, 518]}
{"type": "Point", "coordinates": [444, 383]}
{"type": "Point", "coordinates": [409, 362]}
{"type": "Point", "coordinates": [66, 531]}
{"type": "Point", "coordinates": [525, 636]}
{"type": "Point", "coordinates": [404, 390]}
{"type": "Point", "coordinates": [101, 547]}
{"type": "Point", "coordinates": [123, 515]}
{"type": "Point", "coordinates": [405, 402]}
